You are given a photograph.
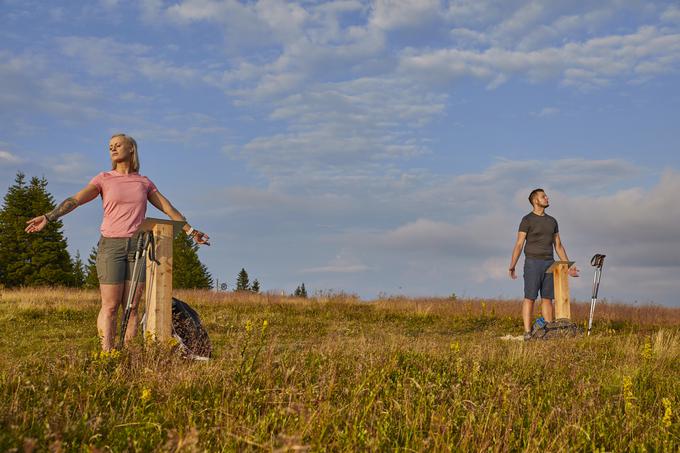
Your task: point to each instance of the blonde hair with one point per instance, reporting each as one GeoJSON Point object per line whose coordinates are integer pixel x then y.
{"type": "Point", "coordinates": [134, 159]}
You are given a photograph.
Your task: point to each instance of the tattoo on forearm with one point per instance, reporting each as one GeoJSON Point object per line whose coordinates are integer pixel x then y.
{"type": "Point", "coordinates": [64, 208]}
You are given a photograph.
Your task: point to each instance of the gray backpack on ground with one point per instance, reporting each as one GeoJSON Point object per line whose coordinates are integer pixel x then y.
{"type": "Point", "coordinates": [559, 328]}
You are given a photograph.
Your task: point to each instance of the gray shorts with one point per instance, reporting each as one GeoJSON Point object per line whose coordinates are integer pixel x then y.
{"type": "Point", "coordinates": [116, 259]}
{"type": "Point", "coordinates": [535, 279]}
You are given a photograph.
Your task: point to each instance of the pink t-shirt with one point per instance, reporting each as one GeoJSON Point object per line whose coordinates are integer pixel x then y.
{"type": "Point", "coordinates": [124, 199]}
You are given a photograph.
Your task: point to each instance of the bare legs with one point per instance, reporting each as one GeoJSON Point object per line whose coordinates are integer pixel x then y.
{"type": "Point", "coordinates": [528, 308]}
{"type": "Point", "coordinates": [114, 296]}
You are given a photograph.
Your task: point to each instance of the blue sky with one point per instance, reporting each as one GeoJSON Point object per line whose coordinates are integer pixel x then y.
{"type": "Point", "coordinates": [371, 147]}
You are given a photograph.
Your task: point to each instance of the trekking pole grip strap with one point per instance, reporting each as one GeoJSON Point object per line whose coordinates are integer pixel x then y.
{"type": "Point", "coordinates": [597, 260]}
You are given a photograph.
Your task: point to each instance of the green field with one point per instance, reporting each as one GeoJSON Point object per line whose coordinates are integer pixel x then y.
{"type": "Point", "coordinates": [334, 373]}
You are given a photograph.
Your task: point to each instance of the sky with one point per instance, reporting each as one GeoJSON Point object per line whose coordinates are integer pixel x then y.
{"type": "Point", "coordinates": [379, 148]}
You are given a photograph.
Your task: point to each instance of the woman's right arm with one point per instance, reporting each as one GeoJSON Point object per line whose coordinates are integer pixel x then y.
{"type": "Point", "coordinates": [88, 193]}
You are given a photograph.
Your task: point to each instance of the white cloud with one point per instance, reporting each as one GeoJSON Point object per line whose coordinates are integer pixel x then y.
{"type": "Point", "coordinates": [286, 19]}
{"type": "Point", "coordinates": [522, 19]}
{"type": "Point", "coordinates": [279, 47]}
{"type": "Point", "coordinates": [632, 219]}
{"type": "Point", "coordinates": [69, 167]}
{"type": "Point", "coordinates": [30, 84]}
{"type": "Point", "coordinates": [575, 174]}
{"type": "Point", "coordinates": [351, 126]}
{"type": "Point", "coordinates": [466, 38]}
{"type": "Point", "coordinates": [56, 14]}
{"type": "Point", "coordinates": [110, 4]}
{"type": "Point", "coordinates": [7, 158]}
{"type": "Point", "coordinates": [548, 112]}
{"type": "Point", "coordinates": [195, 10]}
{"type": "Point", "coordinates": [477, 13]}
{"type": "Point", "coordinates": [150, 10]}
{"type": "Point", "coordinates": [671, 14]}
{"type": "Point", "coordinates": [470, 237]}
{"type": "Point", "coordinates": [495, 268]}
{"type": "Point", "coordinates": [587, 64]}
{"type": "Point", "coordinates": [246, 25]}
{"type": "Point", "coordinates": [394, 14]}
{"type": "Point", "coordinates": [109, 58]}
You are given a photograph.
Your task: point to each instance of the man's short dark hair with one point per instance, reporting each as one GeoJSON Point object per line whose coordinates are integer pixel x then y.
{"type": "Point", "coordinates": [533, 195]}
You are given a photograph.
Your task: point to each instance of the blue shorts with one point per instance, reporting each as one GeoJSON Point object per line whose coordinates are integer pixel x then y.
{"type": "Point", "coordinates": [535, 279]}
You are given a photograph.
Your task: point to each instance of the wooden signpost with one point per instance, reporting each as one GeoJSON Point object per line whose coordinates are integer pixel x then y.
{"type": "Point", "coordinates": [560, 271]}
{"type": "Point", "coordinates": [159, 278]}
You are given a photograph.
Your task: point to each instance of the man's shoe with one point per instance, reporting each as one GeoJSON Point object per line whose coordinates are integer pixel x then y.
{"type": "Point", "coordinates": [527, 336]}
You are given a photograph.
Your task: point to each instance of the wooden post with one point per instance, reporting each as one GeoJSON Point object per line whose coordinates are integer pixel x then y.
{"type": "Point", "coordinates": [560, 271]}
{"type": "Point", "coordinates": [159, 278]}
{"type": "Point", "coordinates": [159, 316]}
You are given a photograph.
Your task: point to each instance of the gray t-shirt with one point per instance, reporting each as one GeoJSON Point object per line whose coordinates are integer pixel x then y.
{"type": "Point", "coordinates": [540, 230]}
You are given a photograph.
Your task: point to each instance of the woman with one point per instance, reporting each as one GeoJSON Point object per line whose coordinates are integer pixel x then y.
{"type": "Point", "coordinates": [124, 195]}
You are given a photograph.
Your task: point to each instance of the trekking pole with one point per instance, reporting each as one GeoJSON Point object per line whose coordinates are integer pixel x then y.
{"type": "Point", "coordinates": [140, 252]}
{"type": "Point", "coordinates": [598, 262]}
{"type": "Point", "coordinates": [151, 254]}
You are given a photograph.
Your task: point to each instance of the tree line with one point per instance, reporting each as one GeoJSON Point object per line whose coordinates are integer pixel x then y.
{"type": "Point", "coordinates": [43, 259]}
{"type": "Point", "coordinates": [243, 284]}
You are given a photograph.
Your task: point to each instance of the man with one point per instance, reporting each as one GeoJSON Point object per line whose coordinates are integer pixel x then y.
{"type": "Point", "coordinates": [540, 233]}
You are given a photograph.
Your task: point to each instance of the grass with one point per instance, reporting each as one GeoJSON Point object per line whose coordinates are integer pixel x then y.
{"type": "Point", "coordinates": [334, 373]}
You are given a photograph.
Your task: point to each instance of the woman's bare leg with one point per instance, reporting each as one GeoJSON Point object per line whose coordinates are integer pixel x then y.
{"type": "Point", "coordinates": [106, 321]}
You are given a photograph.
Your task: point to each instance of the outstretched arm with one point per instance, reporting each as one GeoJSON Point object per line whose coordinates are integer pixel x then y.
{"type": "Point", "coordinates": [516, 251]}
{"type": "Point", "coordinates": [562, 253]}
{"type": "Point", "coordinates": [88, 193]}
{"type": "Point", "coordinates": [159, 201]}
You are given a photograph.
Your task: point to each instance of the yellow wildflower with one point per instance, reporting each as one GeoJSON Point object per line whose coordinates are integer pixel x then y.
{"type": "Point", "coordinates": [628, 395]}
{"type": "Point", "coordinates": [647, 351]}
{"type": "Point", "coordinates": [454, 346]}
{"type": "Point", "coordinates": [146, 396]}
{"type": "Point", "coordinates": [667, 412]}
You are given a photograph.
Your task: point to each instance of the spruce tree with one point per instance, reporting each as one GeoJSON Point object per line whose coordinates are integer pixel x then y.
{"type": "Point", "coordinates": [242, 282]}
{"type": "Point", "coordinates": [91, 279]}
{"type": "Point", "coordinates": [31, 259]}
{"type": "Point", "coordinates": [13, 256]}
{"type": "Point", "coordinates": [51, 263]}
{"type": "Point", "coordinates": [255, 287]}
{"type": "Point", "coordinates": [187, 269]}
{"type": "Point", "coordinates": [300, 291]}
{"type": "Point", "coordinates": [78, 271]}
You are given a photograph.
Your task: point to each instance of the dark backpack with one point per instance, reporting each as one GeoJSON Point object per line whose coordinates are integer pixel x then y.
{"type": "Point", "coordinates": [189, 331]}
{"type": "Point", "coordinates": [560, 328]}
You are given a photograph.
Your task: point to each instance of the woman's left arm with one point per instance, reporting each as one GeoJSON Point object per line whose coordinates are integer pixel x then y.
{"type": "Point", "coordinates": [159, 201]}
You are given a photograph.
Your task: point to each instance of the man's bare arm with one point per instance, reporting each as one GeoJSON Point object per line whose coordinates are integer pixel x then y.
{"type": "Point", "coordinates": [562, 253]}
{"type": "Point", "coordinates": [516, 252]}
{"type": "Point", "coordinates": [559, 248]}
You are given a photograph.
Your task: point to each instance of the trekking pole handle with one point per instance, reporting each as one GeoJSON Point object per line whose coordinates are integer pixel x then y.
{"type": "Point", "coordinates": [597, 260]}
{"type": "Point", "coordinates": [140, 244]}
{"type": "Point", "coordinates": [151, 247]}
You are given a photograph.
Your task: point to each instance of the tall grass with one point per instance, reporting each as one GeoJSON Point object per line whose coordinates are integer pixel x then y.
{"type": "Point", "coordinates": [335, 373]}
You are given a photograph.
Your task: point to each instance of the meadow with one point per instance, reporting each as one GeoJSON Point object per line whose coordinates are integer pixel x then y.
{"type": "Point", "coordinates": [337, 374]}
